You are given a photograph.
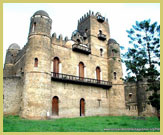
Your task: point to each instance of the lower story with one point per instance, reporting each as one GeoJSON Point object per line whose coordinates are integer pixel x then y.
{"type": "Point", "coordinates": [64, 100]}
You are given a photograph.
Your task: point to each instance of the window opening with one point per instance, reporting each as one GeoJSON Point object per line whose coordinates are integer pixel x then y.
{"type": "Point", "coordinates": [101, 51]}
{"type": "Point", "coordinates": [36, 62]}
{"type": "Point", "coordinates": [115, 75]}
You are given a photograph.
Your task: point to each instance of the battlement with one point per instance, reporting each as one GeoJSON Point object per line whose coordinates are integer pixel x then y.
{"type": "Point", "coordinates": [58, 40]}
{"type": "Point", "coordinates": [91, 13]}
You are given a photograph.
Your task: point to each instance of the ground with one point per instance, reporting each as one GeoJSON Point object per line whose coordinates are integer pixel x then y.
{"type": "Point", "coordinates": [82, 124]}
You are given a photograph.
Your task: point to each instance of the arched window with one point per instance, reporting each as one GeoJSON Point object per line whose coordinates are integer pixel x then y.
{"type": "Point", "coordinates": [115, 75]}
{"type": "Point", "coordinates": [81, 70]}
{"type": "Point", "coordinates": [130, 95]}
{"type": "Point", "coordinates": [36, 62]}
{"type": "Point", "coordinates": [100, 31]}
{"type": "Point", "coordinates": [78, 41]}
{"type": "Point", "coordinates": [98, 70]}
{"type": "Point", "coordinates": [56, 65]}
{"type": "Point", "coordinates": [34, 26]}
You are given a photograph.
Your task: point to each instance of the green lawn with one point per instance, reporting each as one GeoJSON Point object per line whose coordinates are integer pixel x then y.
{"type": "Point", "coordinates": [81, 124]}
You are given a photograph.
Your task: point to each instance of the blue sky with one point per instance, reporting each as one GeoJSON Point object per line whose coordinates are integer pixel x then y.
{"type": "Point", "coordinates": [121, 16]}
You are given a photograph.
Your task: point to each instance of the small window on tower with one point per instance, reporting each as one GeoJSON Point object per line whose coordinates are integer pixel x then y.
{"type": "Point", "coordinates": [85, 34]}
{"type": "Point", "coordinates": [100, 31]}
{"type": "Point", "coordinates": [130, 95]}
{"type": "Point", "coordinates": [78, 41]}
{"type": "Point", "coordinates": [113, 52]}
{"type": "Point", "coordinates": [34, 25]}
{"type": "Point", "coordinates": [115, 75]}
{"type": "Point", "coordinates": [101, 51]}
{"type": "Point", "coordinates": [36, 62]}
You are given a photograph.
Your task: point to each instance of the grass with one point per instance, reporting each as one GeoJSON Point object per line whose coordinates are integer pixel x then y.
{"type": "Point", "coordinates": [81, 124]}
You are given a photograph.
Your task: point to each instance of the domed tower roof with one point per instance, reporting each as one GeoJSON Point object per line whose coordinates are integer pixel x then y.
{"type": "Point", "coordinates": [112, 41]}
{"type": "Point", "coordinates": [14, 46]}
{"type": "Point", "coordinates": [41, 12]}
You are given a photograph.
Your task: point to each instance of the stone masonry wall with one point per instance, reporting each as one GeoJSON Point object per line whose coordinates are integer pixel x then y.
{"type": "Point", "coordinates": [12, 91]}
{"type": "Point", "coordinates": [131, 101]}
{"type": "Point", "coordinates": [69, 99]}
{"type": "Point", "coordinates": [36, 94]}
{"type": "Point", "coordinates": [39, 90]}
{"type": "Point", "coordinates": [70, 61]}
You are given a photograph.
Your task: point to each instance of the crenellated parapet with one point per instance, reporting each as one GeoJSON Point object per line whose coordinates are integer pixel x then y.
{"type": "Point", "coordinates": [98, 16]}
{"type": "Point", "coordinates": [58, 40]}
{"type": "Point", "coordinates": [94, 24]}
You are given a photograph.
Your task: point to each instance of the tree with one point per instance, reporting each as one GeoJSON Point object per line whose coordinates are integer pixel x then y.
{"type": "Point", "coordinates": [143, 60]}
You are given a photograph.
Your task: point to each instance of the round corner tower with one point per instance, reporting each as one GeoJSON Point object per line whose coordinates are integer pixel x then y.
{"type": "Point", "coordinates": [115, 66]}
{"type": "Point", "coordinates": [37, 76]}
{"type": "Point", "coordinates": [116, 94]}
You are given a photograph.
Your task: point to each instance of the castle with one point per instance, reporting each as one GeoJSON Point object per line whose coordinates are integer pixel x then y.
{"type": "Point", "coordinates": [56, 77]}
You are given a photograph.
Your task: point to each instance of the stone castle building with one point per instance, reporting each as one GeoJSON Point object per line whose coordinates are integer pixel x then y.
{"type": "Point", "coordinates": [56, 77]}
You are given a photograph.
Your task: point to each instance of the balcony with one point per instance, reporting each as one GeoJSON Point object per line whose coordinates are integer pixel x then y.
{"type": "Point", "coordinates": [81, 48]}
{"type": "Point", "coordinates": [102, 37]}
{"type": "Point", "coordinates": [80, 80]}
{"type": "Point", "coordinates": [100, 18]}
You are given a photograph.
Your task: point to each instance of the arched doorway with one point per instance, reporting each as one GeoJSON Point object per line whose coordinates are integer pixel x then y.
{"type": "Point", "coordinates": [55, 106]}
{"type": "Point", "coordinates": [82, 107]}
{"type": "Point", "coordinates": [81, 70]}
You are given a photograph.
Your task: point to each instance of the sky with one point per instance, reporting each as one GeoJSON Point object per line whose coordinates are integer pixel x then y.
{"type": "Point", "coordinates": [65, 16]}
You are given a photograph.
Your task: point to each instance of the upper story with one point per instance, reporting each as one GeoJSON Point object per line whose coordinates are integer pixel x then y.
{"type": "Point", "coordinates": [85, 55]}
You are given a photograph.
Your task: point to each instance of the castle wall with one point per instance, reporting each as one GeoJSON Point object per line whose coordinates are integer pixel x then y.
{"type": "Point", "coordinates": [116, 95]}
{"type": "Point", "coordinates": [131, 101]}
{"type": "Point", "coordinates": [130, 89]}
{"type": "Point", "coordinates": [69, 99]}
{"type": "Point", "coordinates": [20, 54]}
{"type": "Point", "coordinates": [12, 94]}
{"type": "Point", "coordinates": [36, 61]}
{"type": "Point", "coordinates": [116, 100]}
{"type": "Point", "coordinates": [19, 62]}
{"type": "Point", "coordinates": [36, 95]}
{"type": "Point", "coordinates": [70, 61]}
{"type": "Point", "coordinates": [19, 66]}
{"type": "Point", "coordinates": [70, 94]}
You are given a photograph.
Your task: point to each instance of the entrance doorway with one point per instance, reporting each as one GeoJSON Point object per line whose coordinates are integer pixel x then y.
{"type": "Point", "coordinates": [82, 107]}
{"type": "Point", "coordinates": [55, 106]}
